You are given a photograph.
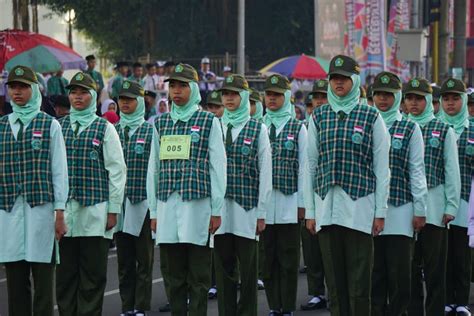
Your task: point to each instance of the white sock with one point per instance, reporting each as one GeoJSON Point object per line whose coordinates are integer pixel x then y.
{"type": "Point", "coordinates": [463, 309]}
{"type": "Point", "coordinates": [314, 300]}
{"type": "Point", "coordinates": [212, 290]}
{"type": "Point", "coordinates": [260, 282]}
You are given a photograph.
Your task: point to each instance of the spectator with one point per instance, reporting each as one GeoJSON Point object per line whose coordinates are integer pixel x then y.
{"type": "Point", "coordinates": [61, 106]}
{"type": "Point", "coordinates": [137, 74]}
{"type": "Point", "coordinates": [207, 79]}
{"type": "Point", "coordinates": [97, 76]}
{"type": "Point", "coordinates": [151, 79]}
{"type": "Point", "coordinates": [57, 84]}
{"type": "Point", "coordinates": [109, 111]}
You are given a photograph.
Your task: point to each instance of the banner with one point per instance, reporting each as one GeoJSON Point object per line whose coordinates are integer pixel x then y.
{"type": "Point", "coordinates": [355, 37]}
{"type": "Point", "coordinates": [399, 19]}
{"type": "Point", "coordinates": [330, 28]}
{"type": "Point", "coordinates": [376, 61]}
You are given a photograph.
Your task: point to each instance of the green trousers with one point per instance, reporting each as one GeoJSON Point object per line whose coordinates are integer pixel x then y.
{"type": "Point", "coordinates": [305, 243]}
{"type": "Point", "coordinates": [187, 273]}
{"type": "Point", "coordinates": [314, 262]}
{"type": "Point", "coordinates": [429, 259]}
{"type": "Point", "coordinates": [347, 259]}
{"type": "Point", "coordinates": [261, 256]}
{"type": "Point", "coordinates": [391, 275]}
{"type": "Point", "coordinates": [282, 256]}
{"type": "Point", "coordinates": [19, 288]}
{"type": "Point", "coordinates": [135, 268]}
{"type": "Point", "coordinates": [82, 275]}
{"type": "Point", "coordinates": [458, 267]}
{"type": "Point", "coordinates": [231, 250]}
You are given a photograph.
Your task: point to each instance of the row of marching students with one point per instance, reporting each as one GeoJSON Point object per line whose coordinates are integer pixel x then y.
{"type": "Point", "coordinates": [199, 182]}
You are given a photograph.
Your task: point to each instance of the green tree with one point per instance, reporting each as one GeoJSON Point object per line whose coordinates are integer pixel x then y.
{"type": "Point", "coordinates": [192, 28]}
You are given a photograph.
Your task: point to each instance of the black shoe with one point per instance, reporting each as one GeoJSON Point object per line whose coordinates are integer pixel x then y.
{"type": "Point", "coordinates": [165, 308]}
{"type": "Point", "coordinates": [303, 269]}
{"type": "Point", "coordinates": [310, 306]}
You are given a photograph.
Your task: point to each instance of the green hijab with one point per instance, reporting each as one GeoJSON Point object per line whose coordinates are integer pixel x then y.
{"type": "Point", "coordinates": [184, 112]}
{"type": "Point", "coordinates": [427, 115]}
{"type": "Point", "coordinates": [86, 116]}
{"type": "Point", "coordinates": [259, 111]}
{"type": "Point", "coordinates": [348, 102]}
{"type": "Point", "coordinates": [458, 121]}
{"type": "Point", "coordinates": [280, 116]}
{"type": "Point", "coordinates": [28, 111]}
{"type": "Point", "coordinates": [393, 114]}
{"type": "Point", "coordinates": [241, 114]}
{"type": "Point", "coordinates": [136, 118]}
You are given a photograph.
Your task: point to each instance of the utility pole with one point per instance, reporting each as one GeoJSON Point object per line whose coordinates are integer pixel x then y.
{"type": "Point", "coordinates": [460, 10]}
{"type": "Point", "coordinates": [415, 24]}
{"type": "Point", "coordinates": [316, 28]}
{"type": "Point", "coordinates": [241, 38]}
{"type": "Point", "coordinates": [443, 61]}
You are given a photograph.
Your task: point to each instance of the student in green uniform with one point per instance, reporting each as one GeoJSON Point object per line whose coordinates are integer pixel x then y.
{"type": "Point", "coordinates": [33, 196]}
{"type": "Point", "coordinates": [97, 76]}
{"type": "Point", "coordinates": [256, 112]}
{"type": "Point", "coordinates": [214, 103]}
{"type": "Point", "coordinates": [282, 231]}
{"type": "Point", "coordinates": [454, 112]}
{"type": "Point", "coordinates": [97, 175]}
{"type": "Point", "coordinates": [406, 215]}
{"type": "Point", "coordinates": [137, 74]}
{"type": "Point", "coordinates": [310, 243]}
{"type": "Point", "coordinates": [346, 187]}
{"type": "Point", "coordinates": [134, 240]}
{"type": "Point", "coordinates": [57, 84]}
{"type": "Point", "coordinates": [186, 192]}
{"type": "Point", "coordinates": [436, 99]}
{"type": "Point", "coordinates": [256, 107]}
{"type": "Point", "coordinates": [215, 106]}
{"type": "Point", "coordinates": [246, 200]}
{"type": "Point", "coordinates": [470, 105]}
{"type": "Point", "coordinates": [370, 95]}
{"type": "Point", "coordinates": [444, 188]}
{"type": "Point", "coordinates": [363, 96]}
{"type": "Point", "coordinates": [122, 73]}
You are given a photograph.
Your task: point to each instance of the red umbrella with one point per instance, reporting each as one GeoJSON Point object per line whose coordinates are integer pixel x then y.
{"type": "Point", "coordinates": [39, 52]}
{"type": "Point", "coordinates": [299, 66]}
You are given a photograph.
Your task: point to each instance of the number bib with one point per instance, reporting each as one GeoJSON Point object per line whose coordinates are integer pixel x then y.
{"type": "Point", "coordinates": [175, 147]}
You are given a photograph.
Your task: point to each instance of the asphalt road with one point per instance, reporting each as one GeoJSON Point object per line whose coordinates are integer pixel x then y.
{"type": "Point", "coordinates": [112, 299]}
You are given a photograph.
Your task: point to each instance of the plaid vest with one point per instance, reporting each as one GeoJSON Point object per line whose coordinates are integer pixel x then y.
{"type": "Point", "coordinates": [25, 164]}
{"type": "Point", "coordinates": [466, 155]}
{"type": "Point", "coordinates": [285, 163]}
{"type": "Point", "coordinates": [88, 178]}
{"type": "Point", "coordinates": [434, 134]}
{"type": "Point", "coordinates": [190, 178]}
{"type": "Point", "coordinates": [345, 151]}
{"type": "Point", "coordinates": [136, 153]}
{"type": "Point", "coordinates": [400, 190]}
{"type": "Point", "coordinates": [242, 166]}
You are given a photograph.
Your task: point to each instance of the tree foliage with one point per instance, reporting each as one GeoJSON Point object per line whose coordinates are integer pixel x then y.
{"type": "Point", "coordinates": [193, 28]}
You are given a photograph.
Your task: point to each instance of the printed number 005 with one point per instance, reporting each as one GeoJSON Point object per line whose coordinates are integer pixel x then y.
{"type": "Point", "coordinates": [174, 148]}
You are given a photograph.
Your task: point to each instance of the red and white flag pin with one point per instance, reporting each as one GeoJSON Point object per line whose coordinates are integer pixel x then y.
{"type": "Point", "coordinates": [95, 142]}
{"type": "Point", "coordinates": [398, 135]}
{"type": "Point", "coordinates": [358, 129]}
{"type": "Point", "coordinates": [436, 134]}
{"type": "Point", "coordinates": [195, 128]}
{"type": "Point", "coordinates": [37, 134]}
{"type": "Point", "coordinates": [247, 141]}
{"type": "Point", "coordinates": [140, 141]}
{"type": "Point", "coordinates": [290, 137]}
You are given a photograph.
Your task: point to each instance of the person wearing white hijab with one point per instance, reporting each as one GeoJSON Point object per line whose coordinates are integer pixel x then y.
{"type": "Point", "coordinates": [34, 188]}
